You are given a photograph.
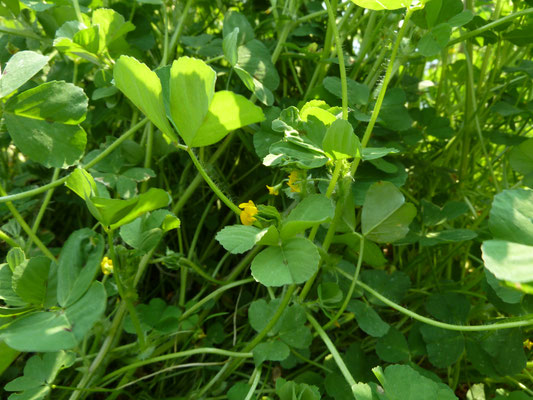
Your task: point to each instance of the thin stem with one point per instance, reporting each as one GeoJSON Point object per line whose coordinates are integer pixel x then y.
{"type": "Point", "coordinates": [462, 328]}
{"type": "Point", "coordinates": [333, 350]}
{"type": "Point", "coordinates": [26, 227]}
{"type": "Point", "coordinates": [489, 26]}
{"type": "Point", "coordinates": [6, 238]}
{"type": "Point", "coordinates": [43, 207]}
{"type": "Point", "coordinates": [123, 295]}
{"type": "Point", "coordinates": [352, 286]}
{"type": "Point", "coordinates": [212, 184]}
{"type": "Point", "coordinates": [340, 56]}
{"type": "Point", "coordinates": [77, 10]}
{"type": "Point", "coordinates": [177, 32]}
{"type": "Point", "coordinates": [180, 354]}
{"type": "Point", "coordinates": [256, 376]}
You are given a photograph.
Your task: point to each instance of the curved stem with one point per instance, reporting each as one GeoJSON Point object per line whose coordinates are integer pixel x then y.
{"type": "Point", "coordinates": [180, 354]}
{"type": "Point", "coordinates": [212, 184]}
{"type": "Point", "coordinates": [438, 324]}
{"type": "Point", "coordinates": [6, 238]}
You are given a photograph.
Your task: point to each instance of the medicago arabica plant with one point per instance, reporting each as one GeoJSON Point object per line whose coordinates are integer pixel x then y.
{"type": "Point", "coordinates": [292, 199]}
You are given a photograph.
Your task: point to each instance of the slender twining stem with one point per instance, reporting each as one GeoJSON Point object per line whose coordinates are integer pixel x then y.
{"type": "Point", "coordinates": [212, 184]}
{"type": "Point", "coordinates": [186, 353]}
{"type": "Point", "coordinates": [30, 193]}
{"type": "Point", "coordinates": [334, 352]}
{"type": "Point", "coordinates": [526, 321]}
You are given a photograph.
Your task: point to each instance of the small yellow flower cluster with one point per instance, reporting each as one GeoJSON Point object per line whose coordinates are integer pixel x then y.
{"type": "Point", "coordinates": [107, 266]}
{"type": "Point", "coordinates": [528, 344]}
{"type": "Point", "coordinates": [293, 183]}
{"type": "Point", "coordinates": [248, 211]}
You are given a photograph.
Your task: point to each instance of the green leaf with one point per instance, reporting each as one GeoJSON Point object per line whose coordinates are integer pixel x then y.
{"type": "Point", "coordinates": [145, 232]}
{"type": "Point", "coordinates": [358, 93]}
{"type": "Point", "coordinates": [314, 210]}
{"type": "Point", "coordinates": [15, 257]}
{"type": "Point", "coordinates": [368, 319]}
{"type": "Point", "coordinates": [264, 94]}
{"type": "Point", "coordinates": [238, 391]}
{"type": "Point", "coordinates": [372, 254]}
{"type": "Point", "coordinates": [255, 58]}
{"type": "Point", "coordinates": [84, 44]}
{"type": "Point", "coordinates": [20, 68]}
{"type": "Point", "coordinates": [394, 114]}
{"type": "Point", "coordinates": [508, 261]}
{"type": "Point", "coordinates": [497, 353]}
{"type": "Point", "coordinates": [143, 88]}
{"type": "Point", "coordinates": [78, 264]}
{"type": "Point", "coordinates": [234, 19]}
{"type": "Point", "coordinates": [393, 286]}
{"type": "Point", "coordinates": [7, 293]}
{"type": "Point", "coordinates": [201, 116]}
{"type": "Point", "coordinates": [52, 101]}
{"type": "Point", "coordinates": [521, 157]}
{"type": "Point", "coordinates": [372, 153]}
{"type": "Point", "coordinates": [386, 216]}
{"type": "Point", "coordinates": [449, 307]}
{"type": "Point", "coordinates": [289, 154]}
{"type": "Point", "coordinates": [383, 4]}
{"type": "Point", "coordinates": [511, 216]}
{"type": "Point", "coordinates": [289, 390]}
{"type": "Point", "coordinates": [447, 236]}
{"type": "Point", "coordinates": [444, 347]}
{"type": "Point", "coordinates": [111, 24]}
{"type": "Point", "coordinates": [435, 40]}
{"type": "Point", "coordinates": [156, 315]}
{"type": "Point", "coordinates": [340, 141]}
{"type": "Point", "coordinates": [270, 351]}
{"type": "Point", "coordinates": [30, 280]}
{"type": "Point", "coordinates": [238, 239]}
{"type": "Point", "coordinates": [192, 87]}
{"type": "Point", "coordinates": [295, 261]}
{"type": "Point", "coordinates": [39, 374]}
{"type": "Point", "coordinates": [47, 331]}
{"type": "Point", "coordinates": [404, 383]}
{"type": "Point", "coordinates": [260, 313]}
{"type": "Point", "coordinates": [51, 112]}
{"type": "Point", "coordinates": [292, 329]}
{"type": "Point", "coordinates": [228, 111]}
{"type": "Point", "coordinates": [229, 46]}
{"type": "Point", "coordinates": [392, 347]}
{"type": "Point", "coordinates": [81, 183]}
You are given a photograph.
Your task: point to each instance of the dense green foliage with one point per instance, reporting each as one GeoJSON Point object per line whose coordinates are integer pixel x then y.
{"type": "Point", "coordinates": [291, 199]}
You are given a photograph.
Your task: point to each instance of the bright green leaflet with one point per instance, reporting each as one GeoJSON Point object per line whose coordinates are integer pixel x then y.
{"type": "Point", "coordinates": [311, 211]}
{"type": "Point", "coordinates": [340, 141]}
{"type": "Point", "coordinates": [20, 68]}
{"type": "Point", "coordinates": [143, 88]}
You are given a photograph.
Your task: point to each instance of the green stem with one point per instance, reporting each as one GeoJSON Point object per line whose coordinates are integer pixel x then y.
{"type": "Point", "coordinates": [386, 80]}
{"type": "Point", "coordinates": [352, 286]}
{"type": "Point", "coordinates": [213, 295]}
{"type": "Point", "coordinates": [256, 376]}
{"type": "Point", "coordinates": [180, 354]}
{"type": "Point", "coordinates": [6, 238]}
{"type": "Point", "coordinates": [123, 295]}
{"type": "Point", "coordinates": [42, 210]}
{"type": "Point", "coordinates": [342, 68]}
{"type": "Point", "coordinates": [177, 32]}
{"type": "Point", "coordinates": [77, 10]}
{"type": "Point", "coordinates": [212, 184]}
{"type": "Point", "coordinates": [26, 227]}
{"type": "Point", "coordinates": [333, 350]}
{"type": "Point", "coordinates": [438, 324]}
{"type": "Point", "coordinates": [489, 26]}
{"type": "Point", "coordinates": [233, 364]}
{"type": "Point", "coordinates": [30, 193]}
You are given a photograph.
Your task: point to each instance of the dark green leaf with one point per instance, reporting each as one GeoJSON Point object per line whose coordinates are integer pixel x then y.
{"type": "Point", "coordinates": [368, 319]}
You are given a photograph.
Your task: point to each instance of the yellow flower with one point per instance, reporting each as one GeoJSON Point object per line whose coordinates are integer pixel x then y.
{"type": "Point", "coordinates": [107, 266]}
{"type": "Point", "coordinates": [273, 190]}
{"type": "Point", "coordinates": [248, 211]}
{"type": "Point", "coordinates": [294, 177]}
{"type": "Point", "coordinates": [528, 344]}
